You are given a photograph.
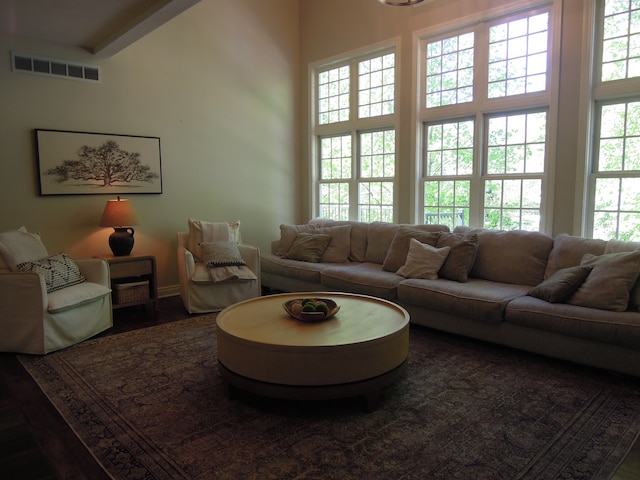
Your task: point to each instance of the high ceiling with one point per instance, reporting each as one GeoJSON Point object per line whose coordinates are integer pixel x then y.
{"type": "Point", "coordinates": [103, 27]}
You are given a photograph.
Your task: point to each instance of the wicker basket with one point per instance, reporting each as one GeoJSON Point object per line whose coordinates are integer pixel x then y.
{"type": "Point", "coordinates": [131, 292]}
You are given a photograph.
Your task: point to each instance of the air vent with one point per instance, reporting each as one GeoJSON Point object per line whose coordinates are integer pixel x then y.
{"type": "Point", "coordinates": [54, 68]}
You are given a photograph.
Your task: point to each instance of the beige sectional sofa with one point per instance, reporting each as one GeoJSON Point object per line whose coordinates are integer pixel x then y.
{"type": "Point", "coordinates": [567, 297]}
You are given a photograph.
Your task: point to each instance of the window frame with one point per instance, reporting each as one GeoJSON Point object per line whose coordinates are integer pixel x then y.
{"type": "Point", "coordinates": [483, 106]}
{"type": "Point", "coordinates": [353, 126]}
{"type": "Point", "coordinates": [595, 94]}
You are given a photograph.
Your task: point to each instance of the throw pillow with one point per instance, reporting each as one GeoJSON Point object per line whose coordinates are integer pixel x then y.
{"type": "Point", "coordinates": [423, 261]}
{"type": "Point", "coordinates": [460, 260]}
{"type": "Point", "coordinates": [221, 254]}
{"type": "Point", "coordinates": [399, 248]}
{"type": "Point", "coordinates": [58, 271]}
{"type": "Point", "coordinates": [339, 246]}
{"type": "Point", "coordinates": [196, 236]}
{"type": "Point", "coordinates": [18, 246]}
{"type": "Point", "coordinates": [608, 285]}
{"type": "Point", "coordinates": [562, 284]}
{"type": "Point", "coordinates": [308, 247]}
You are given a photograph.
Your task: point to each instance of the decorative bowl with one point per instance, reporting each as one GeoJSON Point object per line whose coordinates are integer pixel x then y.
{"type": "Point", "coordinates": [294, 309]}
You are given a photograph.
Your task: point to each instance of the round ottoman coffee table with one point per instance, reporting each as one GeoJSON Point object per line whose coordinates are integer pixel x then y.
{"type": "Point", "coordinates": [362, 349]}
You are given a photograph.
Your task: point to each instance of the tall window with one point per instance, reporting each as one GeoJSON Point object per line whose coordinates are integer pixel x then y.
{"type": "Point", "coordinates": [485, 111]}
{"type": "Point", "coordinates": [614, 183]}
{"type": "Point", "coordinates": [355, 137]}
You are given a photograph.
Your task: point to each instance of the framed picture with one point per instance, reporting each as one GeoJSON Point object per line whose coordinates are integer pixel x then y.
{"type": "Point", "coordinates": [82, 163]}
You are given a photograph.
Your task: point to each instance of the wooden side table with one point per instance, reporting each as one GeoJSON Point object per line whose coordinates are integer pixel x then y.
{"type": "Point", "coordinates": [134, 281]}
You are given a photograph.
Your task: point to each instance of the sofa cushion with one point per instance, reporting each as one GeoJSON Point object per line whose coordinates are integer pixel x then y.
{"type": "Point", "coordinates": [460, 260]}
{"type": "Point", "coordinates": [305, 271]}
{"type": "Point", "coordinates": [379, 238]}
{"type": "Point", "coordinates": [75, 295]}
{"type": "Point", "coordinates": [568, 251]}
{"type": "Point", "coordinates": [620, 328]}
{"type": "Point", "coordinates": [608, 285]}
{"type": "Point", "coordinates": [18, 246]}
{"type": "Point", "coordinates": [423, 261]}
{"type": "Point", "coordinates": [398, 249]}
{"type": "Point", "coordinates": [510, 256]}
{"type": "Point", "coordinates": [221, 254]}
{"type": "Point", "coordinates": [308, 247]}
{"type": "Point", "coordinates": [562, 284]}
{"type": "Point", "coordinates": [57, 271]}
{"type": "Point", "coordinates": [478, 299]}
{"type": "Point", "coordinates": [366, 278]}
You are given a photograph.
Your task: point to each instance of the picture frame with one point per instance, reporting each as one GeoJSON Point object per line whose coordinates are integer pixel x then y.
{"type": "Point", "coordinates": [85, 163]}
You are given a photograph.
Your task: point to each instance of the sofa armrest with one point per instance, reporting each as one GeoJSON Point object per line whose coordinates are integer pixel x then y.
{"type": "Point", "coordinates": [95, 270]}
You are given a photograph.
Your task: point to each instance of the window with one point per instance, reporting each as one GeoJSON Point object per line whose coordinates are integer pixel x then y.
{"type": "Point", "coordinates": [614, 174]}
{"type": "Point", "coordinates": [486, 108]}
{"type": "Point", "coordinates": [356, 139]}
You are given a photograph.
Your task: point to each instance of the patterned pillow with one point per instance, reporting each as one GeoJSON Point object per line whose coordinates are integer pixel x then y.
{"type": "Point", "coordinates": [58, 271]}
{"type": "Point", "coordinates": [221, 254]}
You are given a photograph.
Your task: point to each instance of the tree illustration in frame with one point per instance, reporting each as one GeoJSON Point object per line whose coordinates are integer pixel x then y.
{"type": "Point", "coordinates": [90, 163]}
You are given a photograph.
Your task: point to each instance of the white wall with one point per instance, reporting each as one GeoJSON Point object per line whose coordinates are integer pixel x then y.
{"type": "Point", "coordinates": [219, 86]}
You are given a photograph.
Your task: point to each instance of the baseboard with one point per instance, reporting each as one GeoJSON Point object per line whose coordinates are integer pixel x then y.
{"type": "Point", "coordinates": [170, 291]}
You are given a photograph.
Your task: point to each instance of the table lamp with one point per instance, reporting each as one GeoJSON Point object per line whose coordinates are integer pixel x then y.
{"type": "Point", "coordinates": [120, 215]}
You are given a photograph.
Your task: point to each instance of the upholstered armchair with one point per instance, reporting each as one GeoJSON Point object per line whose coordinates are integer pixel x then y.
{"type": "Point", "coordinates": [215, 268]}
{"type": "Point", "coordinates": [49, 302]}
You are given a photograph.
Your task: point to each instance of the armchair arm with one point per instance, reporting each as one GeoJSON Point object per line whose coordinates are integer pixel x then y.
{"type": "Point", "coordinates": [251, 255]}
{"type": "Point", "coordinates": [95, 270]}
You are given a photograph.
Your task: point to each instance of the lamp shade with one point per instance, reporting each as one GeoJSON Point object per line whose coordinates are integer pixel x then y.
{"type": "Point", "coordinates": [120, 214]}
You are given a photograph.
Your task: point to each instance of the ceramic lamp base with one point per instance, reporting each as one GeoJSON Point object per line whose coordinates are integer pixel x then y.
{"type": "Point", "coordinates": [121, 241]}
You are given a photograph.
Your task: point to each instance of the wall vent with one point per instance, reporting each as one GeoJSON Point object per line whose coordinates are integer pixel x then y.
{"type": "Point", "coordinates": [54, 68]}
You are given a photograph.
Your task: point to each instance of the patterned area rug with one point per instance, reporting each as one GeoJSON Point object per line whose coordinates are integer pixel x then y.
{"type": "Point", "coordinates": [150, 404]}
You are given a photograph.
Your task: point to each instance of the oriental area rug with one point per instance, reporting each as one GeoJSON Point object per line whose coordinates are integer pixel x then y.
{"type": "Point", "coordinates": [150, 404]}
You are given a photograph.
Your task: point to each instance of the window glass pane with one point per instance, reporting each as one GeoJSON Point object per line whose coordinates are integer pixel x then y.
{"type": "Point", "coordinates": [376, 86]}
{"type": "Point", "coordinates": [516, 143]}
{"type": "Point", "coordinates": [449, 72]}
{"type": "Point", "coordinates": [450, 148]}
{"type": "Point", "coordinates": [333, 95]}
{"type": "Point", "coordinates": [334, 201]}
{"type": "Point", "coordinates": [446, 202]}
{"type": "Point", "coordinates": [377, 154]}
{"type": "Point", "coordinates": [375, 202]}
{"type": "Point", "coordinates": [335, 157]}
{"type": "Point", "coordinates": [620, 40]}
{"type": "Point", "coordinates": [518, 56]}
{"type": "Point", "coordinates": [619, 139]}
{"type": "Point", "coordinates": [513, 204]}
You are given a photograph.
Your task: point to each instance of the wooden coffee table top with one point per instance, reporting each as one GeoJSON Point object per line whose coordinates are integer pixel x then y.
{"type": "Point", "coordinates": [360, 319]}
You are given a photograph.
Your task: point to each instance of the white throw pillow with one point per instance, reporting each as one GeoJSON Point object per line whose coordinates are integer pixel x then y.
{"type": "Point", "coordinates": [19, 246]}
{"type": "Point", "coordinates": [423, 261]}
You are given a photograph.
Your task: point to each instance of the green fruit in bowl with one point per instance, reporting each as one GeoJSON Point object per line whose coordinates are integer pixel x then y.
{"type": "Point", "coordinates": [322, 307]}
{"type": "Point", "coordinates": [309, 307]}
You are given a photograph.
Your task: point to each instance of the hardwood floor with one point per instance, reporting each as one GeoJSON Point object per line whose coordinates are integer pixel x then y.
{"type": "Point", "coordinates": [37, 444]}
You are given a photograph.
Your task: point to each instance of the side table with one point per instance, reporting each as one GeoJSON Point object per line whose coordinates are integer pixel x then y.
{"type": "Point", "coordinates": [133, 282]}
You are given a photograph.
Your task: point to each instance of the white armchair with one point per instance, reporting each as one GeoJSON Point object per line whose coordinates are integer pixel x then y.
{"type": "Point", "coordinates": [35, 321]}
{"type": "Point", "coordinates": [200, 293]}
